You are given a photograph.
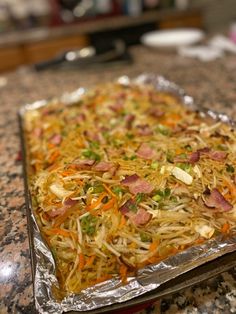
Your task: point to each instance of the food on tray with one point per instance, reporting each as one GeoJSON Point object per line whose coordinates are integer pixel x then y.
{"type": "Point", "coordinates": [126, 177]}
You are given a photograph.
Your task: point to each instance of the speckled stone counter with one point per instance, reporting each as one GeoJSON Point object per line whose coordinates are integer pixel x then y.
{"type": "Point", "coordinates": [212, 84]}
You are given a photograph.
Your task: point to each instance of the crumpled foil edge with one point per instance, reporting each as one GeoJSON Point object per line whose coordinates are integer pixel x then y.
{"type": "Point", "coordinates": [148, 278]}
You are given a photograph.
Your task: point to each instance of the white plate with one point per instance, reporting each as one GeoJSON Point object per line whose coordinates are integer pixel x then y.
{"type": "Point", "coordinates": [172, 38]}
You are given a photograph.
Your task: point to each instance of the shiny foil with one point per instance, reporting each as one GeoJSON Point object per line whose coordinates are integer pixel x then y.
{"type": "Point", "coordinates": [113, 292]}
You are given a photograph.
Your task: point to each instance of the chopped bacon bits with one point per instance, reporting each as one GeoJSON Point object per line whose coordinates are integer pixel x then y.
{"type": "Point", "coordinates": [217, 155]}
{"type": "Point", "coordinates": [214, 199]}
{"type": "Point", "coordinates": [146, 152]}
{"type": "Point", "coordinates": [214, 155]}
{"type": "Point", "coordinates": [56, 139]}
{"type": "Point", "coordinates": [191, 158]}
{"type": "Point", "coordinates": [130, 179]}
{"type": "Point", "coordinates": [142, 217]}
{"type": "Point", "coordinates": [144, 129]}
{"type": "Point", "coordinates": [137, 185]}
{"type": "Point", "coordinates": [129, 119]}
{"type": "Point", "coordinates": [69, 202]}
{"type": "Point", "coordinates": [60, 211]}
{"type": "Point", "coordinates": [117, 106]}
{"type": "Point", "coordinates": [195, 156]}
{"type": "Point", "coordinates": [127, 207]}
{"type": "Point", "coordinates": [103, 166]}
{"type": "Point", "coordinates": [83, 163]}
{"type": "Point", "coordinates": [81, 118]}
{"type": "Point", "coordinates": [92, 136]}
{"type": "Point", "coordinates": [155, 112]}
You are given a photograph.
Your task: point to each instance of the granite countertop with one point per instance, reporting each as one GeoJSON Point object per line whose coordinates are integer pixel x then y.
{"type": "Point", "coordinates": [212, 84]}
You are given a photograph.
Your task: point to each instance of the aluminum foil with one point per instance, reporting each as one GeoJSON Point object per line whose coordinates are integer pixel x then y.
{"type": "Point", "coordinates": [148, 279]}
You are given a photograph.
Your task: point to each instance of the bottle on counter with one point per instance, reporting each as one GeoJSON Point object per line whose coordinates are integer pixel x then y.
{"type": "Point", "coordinates": [133, 8]}
{"type": "Point", "coordinates": [103, 6]}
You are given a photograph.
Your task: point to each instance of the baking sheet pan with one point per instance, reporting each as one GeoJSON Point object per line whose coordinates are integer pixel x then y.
{"type": "Point", "coordinates": [213, 264]}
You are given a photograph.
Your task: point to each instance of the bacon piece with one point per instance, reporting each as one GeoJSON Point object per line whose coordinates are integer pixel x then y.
{"type": "Point", "coordinates": [204, 150]}
{"type": "Point", "coordinates": [142, 217]}
{"type": "Point", "coordinates": [56, 139]}
{"type": "Point", "coordinates": [144, 129]}
{"type": "Point", "coordinates": [214, 155]}
{"type": "Point", "coordinates": [130, 179]}
{"type": "Point", "coordinates": [103, 166]}
{"type": "Point", "coordinates": [117, 106]}
{"type": "Point", "coordinates": [127, 207]}
{"type": "Point", "coordinates": [57, 212]}
{"type": "Point", "coordinates": [194, 157]}
{"type": "Point", "coordinates": [60, 211]}
{"type": "Point", "coordinates": [141, 186]}
{"type": "Point", "coordinates": [137, 185]}
{"type": "Point", "coordinates": [155, 112]}
{"type": "Point", "coordinates": [217, 155]}
{"type": "Point", "coordinates": [81, 117]}
{"type": "Point", "coordinates": [83, 163]}
{"type": "Point", "coordinates": [214, 199]}
{"type": "Point", "coordinates": [129, 119]}
{"type": "Point", "coordinates": [191, 158]}
{"type": "Point", "coordinates": [93, 136]}
{"type": "Point", "coordinates": [69, 202]}
{"type": "Point", "coordinates": [146, 152]}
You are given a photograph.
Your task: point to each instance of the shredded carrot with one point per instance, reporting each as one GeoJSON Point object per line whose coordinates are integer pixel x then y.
{"type": "Point", "coordinates": [58, 231]}
{"type": "Point", "coordinates": [54, 156]}
{"type": "Point", "coordinates": [153, 246]}
{"type": "Point", "coordinates": [74, 236]}
{"type": "Point", "coordinates": [67, 172]}
{"type": "Point", "coordinates": [59, 220]}
{"type": "Point", "coordinates": [80, 142]}
{"type": "Point", "coordinates": [72, 166]}
{"type": "Point", "coordinates": [51, 145]}
{"type": "Point", "coordinates": [81, 261]}
{"type": "Point", "coordinates": [179, 151]}
{"type": "Point", "coordinates": [96, 203]}
{"type": "Point", "coordinates": [122, 222]}
{"type": "Point", "coordinates": [225, 228]}
{"type": "Point", "coordinates": [232, 189]}
{"type": "Point", "coordinates": [102, 278]}
{"type": "Point", "coordinates": [90, 261]}
{"type": "Point", "coordinates": [109, 204]}
{"type": "Point", "coordinates": [133, 245]}
{"type": "Point", "coordinates": [109, 191]}
{"type": "Point", "coordinates": [153, 259]}
{"type": "Point", "coordinates": [123, 273]}
{"type": "Point", "coordinates": [80, 182]}
{"type": "Point", "coordinates": [174, 250]}
{"type": "Point", "coordinates": [200, 240]}
{"type": "Point", "coordinates": [174, 116]}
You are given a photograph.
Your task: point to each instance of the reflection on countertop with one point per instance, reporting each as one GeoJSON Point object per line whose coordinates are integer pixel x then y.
{"type": "Point", "coordinates": [212, 84]}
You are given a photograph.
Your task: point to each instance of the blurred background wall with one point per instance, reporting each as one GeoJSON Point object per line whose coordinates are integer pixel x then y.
{"type": "Point", "coordinates": [36, 30]}
{"type": "Point", "coordinates": [22, 14]}
{"type": "Point", "coordinates": [217, 14]}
